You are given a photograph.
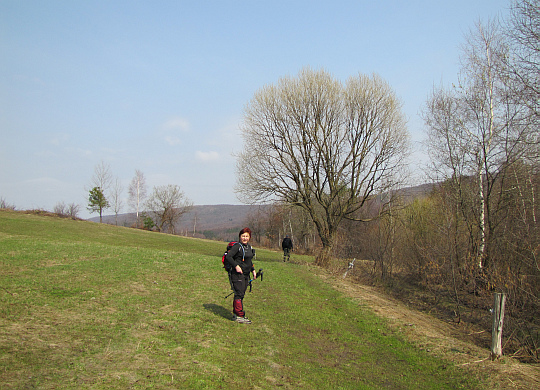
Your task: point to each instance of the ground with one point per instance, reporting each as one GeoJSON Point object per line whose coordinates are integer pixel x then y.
{"type": "Point", "coordinates": [444, 339]}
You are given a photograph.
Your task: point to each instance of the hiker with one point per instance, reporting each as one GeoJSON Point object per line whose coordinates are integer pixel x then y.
{"type": "Point", "coordinates": [240, 259]}
{"type": "Point", "coordinates": [287, 248]}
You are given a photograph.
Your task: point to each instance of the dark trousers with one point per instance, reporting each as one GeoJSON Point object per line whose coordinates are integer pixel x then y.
{"type": "Point", "coordinates": [286, 253]}
{"type": "Point", "coordinates": [239, 283]}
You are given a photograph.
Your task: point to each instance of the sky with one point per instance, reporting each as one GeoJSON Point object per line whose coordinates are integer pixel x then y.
{"type": "Point", "coordinates": [160, 86]}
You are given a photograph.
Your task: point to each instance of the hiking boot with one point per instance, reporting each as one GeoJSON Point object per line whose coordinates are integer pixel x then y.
{"type": "Point", "coordinates": [241, 320]}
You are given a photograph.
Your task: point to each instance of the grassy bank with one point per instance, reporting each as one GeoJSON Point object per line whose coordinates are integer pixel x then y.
{"type": "Point", "coordinates": [84, 305]}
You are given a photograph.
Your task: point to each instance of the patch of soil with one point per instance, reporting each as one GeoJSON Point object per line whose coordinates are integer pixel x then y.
{"type": "Point", "coordinates": [450, 341]}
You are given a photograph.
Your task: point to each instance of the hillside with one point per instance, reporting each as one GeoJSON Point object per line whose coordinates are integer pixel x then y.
{"type": "Point", "coordinates": [85, 305]}
{"type": "Point", "coordinates": [223, 218]}
{"type": "Point", "coordinates": [215, 218]}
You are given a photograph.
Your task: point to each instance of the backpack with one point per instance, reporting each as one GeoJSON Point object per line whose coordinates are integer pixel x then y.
{"type": "Point", "coordinates": [226, 265]}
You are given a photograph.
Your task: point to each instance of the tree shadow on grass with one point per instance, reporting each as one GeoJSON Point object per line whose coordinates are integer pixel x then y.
{"type": "Point", "coordinates": [218, 310]}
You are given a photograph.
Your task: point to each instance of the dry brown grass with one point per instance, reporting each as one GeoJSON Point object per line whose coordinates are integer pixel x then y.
{"type": "Point", "coordinates": [444, 339]}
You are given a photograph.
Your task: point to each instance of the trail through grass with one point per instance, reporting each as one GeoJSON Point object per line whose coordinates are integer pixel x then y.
{"type": "Point", "coordinates": [84, 305]}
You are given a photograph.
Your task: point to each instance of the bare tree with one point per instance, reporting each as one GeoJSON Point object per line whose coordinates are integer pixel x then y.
{"type": "Point", "coordinates": [137, 192]}
{"type": "Point", "coordinates": [4, 204]}
{"type": "Point", "coordinates": [257, 221]}
{"type": "Point", "coordinates": [60, 208]}
{"type": "Point", "coordinates": [477, 133]}
{"type": "Point", "coordinates": [523, 61]}
{"type": "Point", "coordinates": [102, 177]}
{"type": "Point", "coordinates": [68, 210]}
{"type": "Point", "coordinates": [116, 198]}
{"type": "Point", "coordinates": [167, 204]}
{"type": "Point", "coordinates": [73, 210]}
{"type": "Point", "coordinates": [321, 145]}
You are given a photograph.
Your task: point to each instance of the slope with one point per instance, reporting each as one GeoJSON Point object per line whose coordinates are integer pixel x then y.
{"type": "Point", "coordinates": [84, 305]}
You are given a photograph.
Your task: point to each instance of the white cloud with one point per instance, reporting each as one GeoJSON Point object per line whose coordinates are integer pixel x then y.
{"type": "Point", "coordinates": [172, 129]}
{"type": "Point", "coordinates": [206, 156]}
{"type": "Point", "coordinates": [173, 140]}
{"type": "Point", "coordinates": [177, 123]}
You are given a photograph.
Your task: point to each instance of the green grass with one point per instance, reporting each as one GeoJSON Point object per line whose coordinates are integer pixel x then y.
{"type": "Point", "coordinates": [90, 306]}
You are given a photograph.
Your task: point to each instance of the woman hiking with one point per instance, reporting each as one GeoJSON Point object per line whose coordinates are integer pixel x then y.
{"type": "Point", "coordinates": [240, 259]}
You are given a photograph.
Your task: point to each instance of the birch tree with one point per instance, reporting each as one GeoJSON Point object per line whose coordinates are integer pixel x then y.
{"type": "Point", "coordinates": [477, 134]}
{"type": "Point", "coordinates": [137, 193]}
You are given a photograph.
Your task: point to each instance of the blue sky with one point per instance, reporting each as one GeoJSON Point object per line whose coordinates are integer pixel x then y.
{"type": "Point", "coordinates": [160, 86]}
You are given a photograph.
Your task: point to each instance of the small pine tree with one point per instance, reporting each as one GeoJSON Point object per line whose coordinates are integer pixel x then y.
{"type": "Point", "coordinates": [97, 202]}
{"type": "Point", "coordinates": [148, 223]}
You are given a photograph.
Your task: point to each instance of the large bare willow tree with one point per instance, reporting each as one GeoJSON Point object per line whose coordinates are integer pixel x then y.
{"type": "Point", "coordinates": [327, 147]}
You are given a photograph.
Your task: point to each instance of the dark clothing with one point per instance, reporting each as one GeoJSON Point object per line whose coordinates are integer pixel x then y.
{"type": "Point", "coordinates": [287, 243]}
{"type": "Point", "coordinates": [241, 255]}
{"type": "Point", "coordinates": [287, 248]}
{"type": "Point", "coordinates": [239, 284]}
{"type": "Point", "coordinates": [286, 254]}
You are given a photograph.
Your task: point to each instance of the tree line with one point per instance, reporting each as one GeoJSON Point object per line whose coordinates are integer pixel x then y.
{"type": "Point", "coordinates": [160, 210]}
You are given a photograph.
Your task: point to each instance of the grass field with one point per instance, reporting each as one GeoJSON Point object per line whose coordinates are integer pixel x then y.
{"type": "Point", "coordinates": [91, 306]}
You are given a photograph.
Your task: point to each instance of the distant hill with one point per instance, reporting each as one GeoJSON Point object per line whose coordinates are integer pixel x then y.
{"type": "Point", "coordinates": [223, 221]}
{"type": "Point", "coordinates": [410, 193]}
{"type": "Point", "coordinates": [217, 221]}
{"type": "Point", "coordinates": [217, 218]}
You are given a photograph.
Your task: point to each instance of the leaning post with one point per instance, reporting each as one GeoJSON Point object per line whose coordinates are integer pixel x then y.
{"type": "Point", "coordinates": [499, 300]}
{"type": "Point", "coordinates": [351, 265]}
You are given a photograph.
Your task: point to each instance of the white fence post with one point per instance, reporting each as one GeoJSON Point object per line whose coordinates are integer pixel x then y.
{"type": "Point", "coordinates": [351, 265]}
{"type": "Point", "coordinates": [496, 330]}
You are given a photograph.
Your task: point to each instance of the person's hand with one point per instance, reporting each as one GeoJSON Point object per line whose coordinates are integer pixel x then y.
{"type": "Point", "coordinates": [254, 274]}
{"type": "Point", "coordinates": [238, 269]}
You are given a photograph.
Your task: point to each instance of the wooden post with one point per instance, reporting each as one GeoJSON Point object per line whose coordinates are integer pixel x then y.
{"type": "Point", "coordinates": [351, 265]}
{"type": "Point", "coordinates": [497, 327]}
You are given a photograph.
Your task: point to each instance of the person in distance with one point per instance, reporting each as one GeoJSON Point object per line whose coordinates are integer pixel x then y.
{"type": "Point", "coordinates": [287, 246]}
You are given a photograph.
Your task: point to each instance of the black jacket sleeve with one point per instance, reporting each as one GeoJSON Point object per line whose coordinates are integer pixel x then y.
{"type": "Point", "coordinates": [232, 255]}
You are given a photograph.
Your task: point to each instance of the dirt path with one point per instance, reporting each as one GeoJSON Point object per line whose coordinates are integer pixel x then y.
{"type": "Point", "coordinates": [446, 340]}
